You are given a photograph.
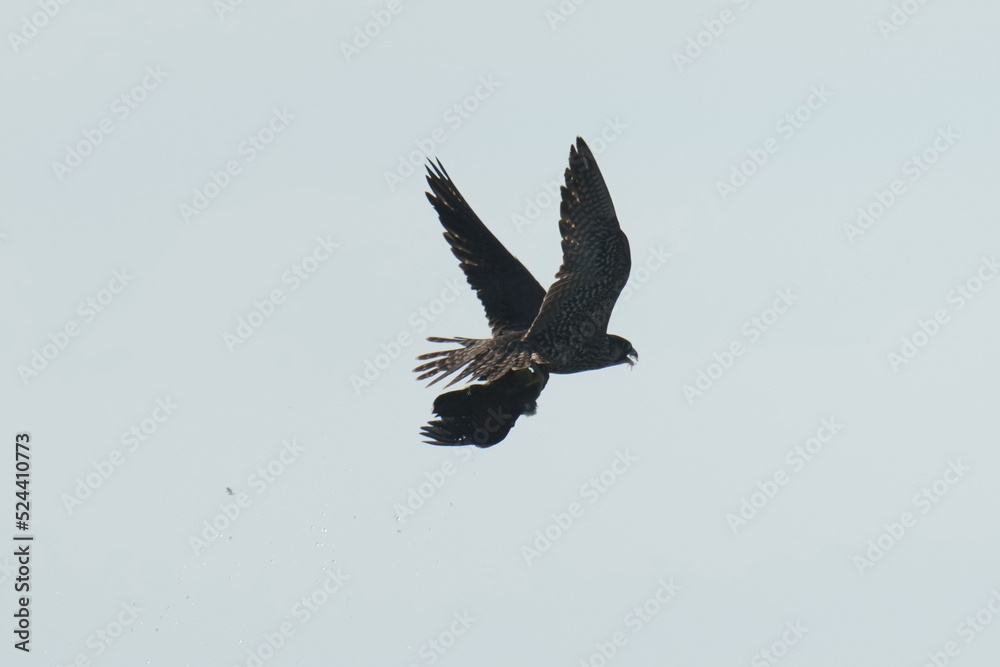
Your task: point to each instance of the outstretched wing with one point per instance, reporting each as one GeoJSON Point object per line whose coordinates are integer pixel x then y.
{"type": "Point", "coordinates": [596, 256]}
{"type": "Point", "coordinates": [509, 293]}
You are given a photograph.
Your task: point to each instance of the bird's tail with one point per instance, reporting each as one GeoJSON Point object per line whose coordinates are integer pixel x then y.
{"type": "Point", "coordinates": [484, 359]}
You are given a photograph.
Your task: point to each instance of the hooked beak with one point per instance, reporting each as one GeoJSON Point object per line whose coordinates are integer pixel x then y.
{"type": "Point", "coordinates": [632, 357]}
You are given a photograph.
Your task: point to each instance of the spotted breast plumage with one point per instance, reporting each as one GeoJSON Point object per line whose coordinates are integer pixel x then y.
{"type": "Point", "coordinates": [535, 332]}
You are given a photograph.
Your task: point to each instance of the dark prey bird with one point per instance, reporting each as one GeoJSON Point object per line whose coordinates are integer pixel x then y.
{"type": "Point", "coordinates": [535, 332]}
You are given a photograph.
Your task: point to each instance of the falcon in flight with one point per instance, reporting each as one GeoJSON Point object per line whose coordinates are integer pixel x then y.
{"type": "Point", "coordinates": [535, 332]}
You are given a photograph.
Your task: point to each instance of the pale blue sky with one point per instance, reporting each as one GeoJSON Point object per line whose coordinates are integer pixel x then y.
{"type": "Point", "coordinates": [258, 120]}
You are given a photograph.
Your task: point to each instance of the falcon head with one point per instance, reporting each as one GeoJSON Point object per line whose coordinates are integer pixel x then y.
{"type": "Point", "coordinates": [622, 351]}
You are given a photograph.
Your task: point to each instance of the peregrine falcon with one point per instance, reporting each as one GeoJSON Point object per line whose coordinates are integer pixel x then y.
{"type": "Point", "coordinates": [535, 333]}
